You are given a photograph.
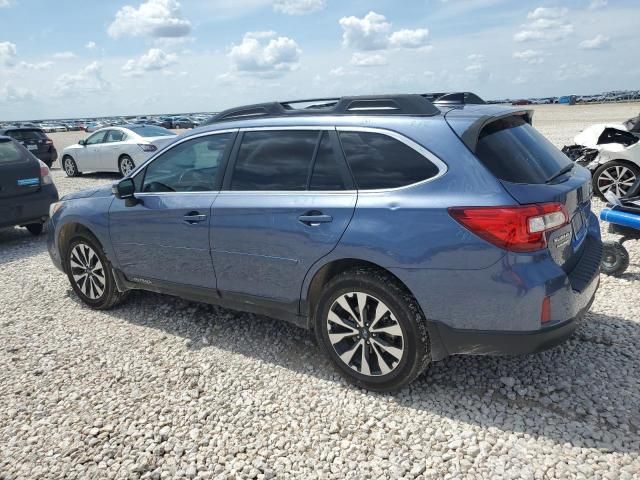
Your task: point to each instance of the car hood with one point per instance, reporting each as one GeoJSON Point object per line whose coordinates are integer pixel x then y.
{"type": "Point", "coordinates": [590, 135]}
{"type": "Point", "coordinates": [101, 191]}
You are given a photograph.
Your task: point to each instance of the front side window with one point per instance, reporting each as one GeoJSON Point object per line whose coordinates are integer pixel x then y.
{"type": "Point", "coordinates": [379, 161]}
{"type": "Point", "coordinates": [191, 166]}
{"type": "Point", "coordinates": [96, 138]}
{"type": "Point", "coordinates": [274, 160]}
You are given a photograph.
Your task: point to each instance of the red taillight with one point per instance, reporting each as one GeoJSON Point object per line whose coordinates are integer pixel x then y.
{"type": "Point", "coordinates": [545, 316]}
{"type": "Point", "coordinates": [518, 229]}
{"type": "Point", "coordinates": [45, 174]}
{"type": "Point", "coordinates": [147, 147]}
{"type": "Point", "coordinates": [48, 141]}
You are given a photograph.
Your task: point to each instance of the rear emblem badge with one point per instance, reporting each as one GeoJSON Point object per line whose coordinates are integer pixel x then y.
{"type": "Point", "coordinates": [562, 240]}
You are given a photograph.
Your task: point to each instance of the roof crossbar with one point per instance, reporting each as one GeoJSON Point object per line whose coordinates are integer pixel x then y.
{"type": "Point", "coordinates": [405, 104]}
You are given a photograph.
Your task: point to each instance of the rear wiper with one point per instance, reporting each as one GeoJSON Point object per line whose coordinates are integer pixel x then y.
{"type": "Point", "coordinates": [562, 171]}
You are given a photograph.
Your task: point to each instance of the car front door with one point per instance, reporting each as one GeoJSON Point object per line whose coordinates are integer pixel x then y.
{"type": "Point", "coordinates": [90, 154]}
{"type": "Point", "coordinates": [164, 238]}
{"type": "Point", "coordinates": [287, 199]}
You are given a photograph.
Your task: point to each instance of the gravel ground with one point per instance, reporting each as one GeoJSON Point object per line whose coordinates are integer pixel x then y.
{"type": "Point", "coordinates": [164, 388]}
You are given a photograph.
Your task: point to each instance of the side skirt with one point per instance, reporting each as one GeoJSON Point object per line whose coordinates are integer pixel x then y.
{"type": "Point", "coordinates": [234, 301]}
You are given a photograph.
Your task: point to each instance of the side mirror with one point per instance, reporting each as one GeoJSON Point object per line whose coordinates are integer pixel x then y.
{"type": "Point", "coordinates": [125, 188]}
{"type": "Point", "coordinates": [82, 142]}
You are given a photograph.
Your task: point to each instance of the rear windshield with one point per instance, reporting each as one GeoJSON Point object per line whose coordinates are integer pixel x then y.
{"type": "Point", "coordinates": [151, 131]}
{"type": "Point", "coordinates": [9, 152]}
{"type": "Point", "coordinates": [516, 152]}
{"type": "Point", "coordinates": [27, 134]}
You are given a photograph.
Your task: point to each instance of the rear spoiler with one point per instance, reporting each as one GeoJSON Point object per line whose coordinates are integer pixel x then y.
{"type": "Point", "coordinates": [471, 133]}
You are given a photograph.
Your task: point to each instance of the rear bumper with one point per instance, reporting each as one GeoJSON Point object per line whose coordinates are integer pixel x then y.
{"type": "Point", "coordinates": [478, 342]}
{"type": "Point", "coordinates": [30, 208]}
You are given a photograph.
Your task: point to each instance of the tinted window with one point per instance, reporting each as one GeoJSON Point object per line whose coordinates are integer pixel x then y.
{"type": "Point", "coordinates": [274, 160]}
{"type": "Point", "coordinates": [114, 136]}
{"type": "Point", "coordinates": [96, 138]}
{"type": "Point", "coordinates": [188, 167]}
{"type": "Point", "coordinates": [9, 152]}
{"type": "Point", "coordinates": [27, 134]}
{"type": "Point", "coordinates": [326, 174]}
{"type": "Point", "coordinates": [379, 161]}
{"type": "Point", "coordinates": [516, 152]}
{"type": "Point", "coordinates": [151, 131]}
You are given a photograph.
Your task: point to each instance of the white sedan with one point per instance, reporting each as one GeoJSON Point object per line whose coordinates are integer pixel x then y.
{"type": "Point", "coordinates": [114, 149]}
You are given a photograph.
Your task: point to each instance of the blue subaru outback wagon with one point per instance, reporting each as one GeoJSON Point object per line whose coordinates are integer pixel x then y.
{"type": "Point", "coordinates": [401, 229]}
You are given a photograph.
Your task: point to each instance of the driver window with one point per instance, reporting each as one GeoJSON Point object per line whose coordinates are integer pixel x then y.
{"type": "Point", "coordinates": [188, 167]}
{"type": "Point", "coordinates": [96, 138]}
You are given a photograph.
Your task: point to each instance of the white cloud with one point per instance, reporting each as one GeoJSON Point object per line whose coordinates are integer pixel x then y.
{"type": "Point", "coordinates": [8, 53]}
{"type": "Point", "coordinates": [265, 53]}
{"type": "Point", "coordinates": [597, 42]}
{"type": "Point", "coordinates": [474, 68]}
{"type": "Point", "coordinates": [90, 45]}
{"type": "Point", "coordinates": [87, 80]}
{"type": "Point", "coordinates": [368, 33]}
{"type": "Point", "coordinates": [64, 55]}
{"type": "Point", "coordinates": [530, 56]}
{"type": "Point", "coordinates": [299, 7]}
{"type": "Point", "coordinates": [360, 59]}
{"type": "Point", "coordinates": [35, 66]}
{"type": "Point", "coordinates": [595, 4]}
{"type": "Point", "coordinates": [373, 32]}
{"type": "Point", "coordinates": [546, 24]}
{"type": "Point", "coordinates": [476, 57]}
{"type": "Point", "coordinates": [154, 60]}
{"type": "Point", "coordinates": [5, 3]}
{"type": "Point", "coordinates": [154, 18]}
{"type": "Point", "coordinates": [11, 94]}
{"type": "Point", "coordinates": [572, 71]}
{"type": "Point", "coordinates": [406, 38]}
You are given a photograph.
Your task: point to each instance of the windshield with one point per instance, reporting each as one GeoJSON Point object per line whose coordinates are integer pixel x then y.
{"type": "Point", "coordinates": [516, 152]}
{"type": "Point", "coordinates": [9, 152]}
{"type": "Point", "coordinates": [151, 131]}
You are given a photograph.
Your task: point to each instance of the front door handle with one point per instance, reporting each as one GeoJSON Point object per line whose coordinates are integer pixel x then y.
{"type": "Point", "coordinates": [194, 217]}
{"type": "Point", "coordinates": [313, 219]}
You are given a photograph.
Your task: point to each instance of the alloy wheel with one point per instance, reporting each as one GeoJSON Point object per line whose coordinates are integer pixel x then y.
{"type": "Point", "coordinates": [618, 179]}
{"type": "Point", "coordinates": [365, 334]}
{"type": "Point", "coordinates": [87, 271]}
{"type": "Point", "coordinates": [69, 167]}
{"type": "Point", "coordinates": [126, 165]}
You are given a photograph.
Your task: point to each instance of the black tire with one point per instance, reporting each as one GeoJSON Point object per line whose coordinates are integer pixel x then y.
{"type": "Point", "coordinates": [600, 179]}
{"type": "Point", "coordinates": [70, 167]}
{"type": "Point", "coordinates": [110, 295]}
{"type": "Point", "coordinates": [615, 258]}
{"type": "Point", "coordinates": [122, 161]}
{"type": "Point", "coordinates": [35, 229]}
{"type": "Point", "coordinates": [380, 287]}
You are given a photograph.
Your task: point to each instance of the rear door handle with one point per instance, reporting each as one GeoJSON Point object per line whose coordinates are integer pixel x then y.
{"type": "Point", "coordinates": [194, 217]}
{"type": "Point", "coordinates": [315, 219]}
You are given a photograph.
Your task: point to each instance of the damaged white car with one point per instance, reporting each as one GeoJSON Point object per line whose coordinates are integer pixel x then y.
{"type": "Point", "coordinates": [611, 151]}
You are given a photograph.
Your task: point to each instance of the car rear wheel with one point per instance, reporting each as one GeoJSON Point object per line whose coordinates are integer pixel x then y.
{"type": "Point", "coordinates": [90, 273]}
{"type": "Point", "coordinates": [126, 165]}
{"type": "Point", "coordinates": [70, 167]}
{"type": "Point", "coordinates": [372, 330]}
{"type": "Point", "coordinates": [617, 177]}
{"type": "Point", "coordinates": [35, 229]}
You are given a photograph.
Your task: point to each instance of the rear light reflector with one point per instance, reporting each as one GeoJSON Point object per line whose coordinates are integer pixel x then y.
{"type": "Point", "coordinates": [515, 228]}
{"type": "Point", "coordinates": [545, 316]}
{"type": "Point", "coordinates": [45, 174]}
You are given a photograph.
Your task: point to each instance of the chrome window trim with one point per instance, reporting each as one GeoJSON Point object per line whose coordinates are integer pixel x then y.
{"type": "Point", "coordinates": [289, 128]}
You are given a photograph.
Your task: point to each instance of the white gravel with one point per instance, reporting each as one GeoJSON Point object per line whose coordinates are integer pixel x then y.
{"type": "Point", "coordinates": [164, 388]}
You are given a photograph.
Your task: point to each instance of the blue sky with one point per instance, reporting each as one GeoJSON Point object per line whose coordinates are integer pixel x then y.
{"type": "Point", "coordinates": [83, 58]}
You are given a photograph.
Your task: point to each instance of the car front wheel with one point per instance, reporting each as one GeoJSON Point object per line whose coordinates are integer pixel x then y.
{"type": "Point", "coordinates": [90, 273]}
{"type": "Point", "coordinates": [372, 330]}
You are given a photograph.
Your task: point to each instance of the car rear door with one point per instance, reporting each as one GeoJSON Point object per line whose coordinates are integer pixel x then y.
{"type": "Point", "coordinates": [287, 199]}
{"type": "Point", "coordinates": [19, 176]}
{"type": "Point", "coordinates": [163, 237]}
{"type": "Point", "coordinates": [114, 145]}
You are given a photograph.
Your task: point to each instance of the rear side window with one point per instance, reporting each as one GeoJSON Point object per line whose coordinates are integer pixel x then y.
{"type": "Point", "coordinates": [379, 161]}
{"type": "Point", "coordinates": [274, 160]}
{"type": "Point", "coordinates": [326, 173]}
{"type": "Point", "coordinates": [516, 152]}
{"type": "Point", "coordinates": [23, 135]}
{"type": "Point", "coordinates": [9, 152]}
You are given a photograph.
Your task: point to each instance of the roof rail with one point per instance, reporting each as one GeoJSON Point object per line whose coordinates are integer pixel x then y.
{"type": "Point", "coordinates": [405, 104]}
{"type": "Point", "coordinates": [454, 98]}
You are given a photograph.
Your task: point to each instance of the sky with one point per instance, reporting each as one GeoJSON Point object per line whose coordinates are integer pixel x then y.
{"type": "Point", "coordinates": [76, 58]}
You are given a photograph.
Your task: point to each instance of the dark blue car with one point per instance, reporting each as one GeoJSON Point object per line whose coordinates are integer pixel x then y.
{"type": "Point", "coordinates": [26, 187]}
{"type": "Point", "coordinates": [401, 229]}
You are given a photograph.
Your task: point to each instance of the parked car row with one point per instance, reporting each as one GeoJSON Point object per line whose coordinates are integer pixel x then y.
{"type": "Point", "coordinates": [35, 140]}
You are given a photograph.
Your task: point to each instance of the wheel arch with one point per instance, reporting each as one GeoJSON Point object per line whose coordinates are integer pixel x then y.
{"type": "Point", "coordinates": [68, 231]}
